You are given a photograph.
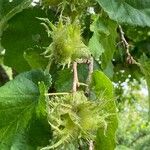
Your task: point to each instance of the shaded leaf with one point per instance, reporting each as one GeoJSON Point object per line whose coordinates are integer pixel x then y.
{"type": "Point", "coordinates": [35, 59]}
{"type": "Point", "coordinates": [64, 78]}
{"type": "Point", "coordinates": [24, 32]}
{"type": "Point", "coordinates": [8, 10]}
{"type": "Point", "coordinates": [109, 70]}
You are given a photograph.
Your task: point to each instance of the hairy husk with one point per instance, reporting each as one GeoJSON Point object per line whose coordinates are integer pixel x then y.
{"type": "Point", "coordinates": [73, 117]}
{"type": "Point", "coordinates": [67, 45]}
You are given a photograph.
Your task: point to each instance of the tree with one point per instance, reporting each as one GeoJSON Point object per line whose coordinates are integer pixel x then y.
{"type": "Point", "coordinates": [67, 55]}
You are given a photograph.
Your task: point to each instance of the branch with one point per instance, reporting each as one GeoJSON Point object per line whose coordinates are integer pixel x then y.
{"type": "Point", "coordinates": [75, 77]}
{"type": "Point", "coordinates": [88, 81]}
{"type": "Point", "coordinates": [129, 59]}
{"type": "Point", "coordinates": [91, 67]}
{"type": "Point", "coordinates": [125, 43]}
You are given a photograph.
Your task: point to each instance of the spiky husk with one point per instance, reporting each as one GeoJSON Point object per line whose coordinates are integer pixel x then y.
{"type": "Point", "coordinates": [67, 45]}
{"type": "Point", "coordinates": [73, 117]}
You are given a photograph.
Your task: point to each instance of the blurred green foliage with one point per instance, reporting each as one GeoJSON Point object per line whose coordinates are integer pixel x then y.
{"type": "Point", "coordinates": [134, 128]}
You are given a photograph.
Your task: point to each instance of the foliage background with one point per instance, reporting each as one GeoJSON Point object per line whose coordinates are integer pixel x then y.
{"type": "Point", "coordinates": [22, 41]}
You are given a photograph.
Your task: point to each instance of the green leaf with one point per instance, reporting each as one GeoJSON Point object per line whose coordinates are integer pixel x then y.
{"type": "Point", "coordinates": [23, 33]}
{"type": "Point", "coordinates": [128, 11]}
{"type": "Point", "coordinates": [95, 46]}
{"type": "Point", "coordinates": [137, 34]}
{"type": "Point", "coordinates": [145, 68]}
{"type": "Point", "coordinates": [21, 102]}
{"type": "Point", "coordinates": [102, 43]}
{"type": "Point", "coordinates": [109, 70]}
{"type": "Point", "coordinates": [64, 78]}
{"type": "Point", "coordinates": [35, 59]}
{"type": "Point", "coordinates": [8, 10]}
{"type": "Point", "coordinates": [102, 86]}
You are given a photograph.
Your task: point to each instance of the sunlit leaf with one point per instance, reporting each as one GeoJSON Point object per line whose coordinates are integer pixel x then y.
{"type": "Point", "coordinates": [22, 110]}
{"type": "Point", "coordinates": [128, 11]}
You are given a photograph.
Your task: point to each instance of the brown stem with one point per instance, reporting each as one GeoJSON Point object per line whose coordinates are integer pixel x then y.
{"type": "Point", "coordinates": [75, 84]}
{"type": "Point", "coordinates": [124, 41]}
{"type": "Point", "coordinates": [129, 59]}
{"type": "Point", "coordinates": [91, 66]}
{"type": "Point", "coordinates": [75, 77]}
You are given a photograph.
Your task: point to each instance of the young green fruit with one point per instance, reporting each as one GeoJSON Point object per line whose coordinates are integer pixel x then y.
{"type": "Point", "coordinates": [74, 117]}
{"type": "Point", "coordinates": [67, 45]}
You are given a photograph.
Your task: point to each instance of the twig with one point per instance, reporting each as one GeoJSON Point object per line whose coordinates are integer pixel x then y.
{"type": "Point", "coordinates": [129, 59]}
{"type": "Point", "coordinates": [82, 84]}
{"type": "Point", "coordinates": [75, 77]}
{"type": "Point", "coordinates": [125, 43]}
{"type": "Point", "coordinates": [53, 94]}
{"type": "Point", "coordinates": [88, 81]}
{"type": "Point", "coordinates": [91, 67]}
